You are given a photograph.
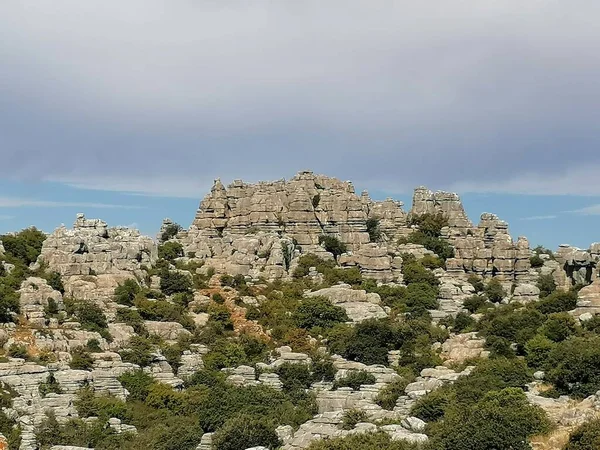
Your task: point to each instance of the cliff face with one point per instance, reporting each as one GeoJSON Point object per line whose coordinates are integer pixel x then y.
{"type": "Point", "coordinates": [234, 226]}
{"type": "Point", "coordinates": [303, 208]}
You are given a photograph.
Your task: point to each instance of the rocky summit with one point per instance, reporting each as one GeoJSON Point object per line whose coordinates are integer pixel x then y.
{"type": "Point", "coordinates": [298, 314]}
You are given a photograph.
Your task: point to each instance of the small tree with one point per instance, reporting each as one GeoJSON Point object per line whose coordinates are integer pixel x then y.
{"type": "Point", "coordinates": [332, 244]}
{"type": "Point", "coordinates": [81, 359]}
{"type": "Point", "coordinates": [352, 417]}
{"type": "Point", "coordinates": [373, 229]}
{"type": "Point", "coordinates": [355, 379]}
{"type": "Point", "coordinates": [170, 231]}
{"type": "Point", "coordinates": [125, 293]}
{"type": "Point", "coordinates": [585, 437]}
{"type": "Point", "coordinates": [546, 285]}
{"type": "Point", "coordinates": [174, 282]}
{"type": "Point", "coordinates": [170, 250]}
{"type": "Point", "coordinates": [245, 431]}
{"type": "Point", "coordinates": [318, 312]}
{"type": "Point", "coordinates": [494, 291]}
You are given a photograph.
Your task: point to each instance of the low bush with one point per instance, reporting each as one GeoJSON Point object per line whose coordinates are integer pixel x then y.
{"type": "Point", "coordinates": [245, 431]}
{"type": "Point", "coordinates": [355, 379]}
{"type": "Point", "coordinates": [139, 351]}
{"type": "Point", "coordinates": [173, 282]}
{"type": "Point", "coordinates": [585, 437]}
{"type": "Point", "coordinates": [351, 417]}
{"type": "Point", "coordinates": [546, 285]}
{"type": "Point", "coordinates": [332, 244]}
{"type": "Point", "coordinates": [494, 291]}
{"type": "Point", "coordinates": [364, 441]}
{"type": "Point", "coordinates": [318, 312]}
{"type": "Point", "coordinates": [170, 251]}
{"type": "Point", "coordinates": [81, 359]}
{"type": "Point", "coordinates": [557, 301]}
{"type": "Point", "coordinates": [125, 293]}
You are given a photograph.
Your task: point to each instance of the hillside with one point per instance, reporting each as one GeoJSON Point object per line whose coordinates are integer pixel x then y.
{"type": "Point", "coordinates": [298, 314]}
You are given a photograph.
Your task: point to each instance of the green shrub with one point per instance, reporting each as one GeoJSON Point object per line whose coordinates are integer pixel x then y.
{"type": "Point", "coordinates": [559, 326]}
{"type": "Point", "coordinates": [25, 245]}
{"type": "Point", "coordinates": [421, 296]}
{"type": "Point", "coordinates": [18, 351]}
{"type": "Point", "coordinates": [432, 262]}
{"type": "Point", "coordinates": [93, 345]}
{"type": "Point", "coordinates": [137, 384]}
{"type": "Point", "coordinates": [351, 417]}
{"type": "Point", "coordinates": [363, 441]}
{"type": "Point", "coordinates": [512, 324]}
{"type": "Point", "coordinates": [585, 437]}
{"type": "Point", "coordinates": [76, 432]}
{"type": "Point", "coordinates": [536, 261]}
{"type": "Point", "coordinates": [461, 323]}
{"type": "Point", "coordinates": [355, 379]}
{"type": "Point", "coordinates": [332, 244]}
{"type": "Point", "coordinates": [476, 282]}
{"type": "Point", "coordinates": [414, 272]}
{"type": "Point", "coordinates": [348, 275]}
{"type": "Point", "coordinates": [501, 420]}
{"type": "Point", "coordinates": [305, 262]}
{"type": "Point", "coordinates": [206, 377]}
{"type": "Point", "coordinates": [139, 351]}
{"type": "Point", "coordinates": [494, 291]}
{"type": "Point", "coordinates": [557, 301]}
{"type": "Point", "coordinates": [573, 366]}
{"type": "Point", "coordinates": [474, 303]}
{"type": "Point", "coordinates": [373, 229]}
{"type": "Point", "coordinates": [432, 406]}
{"type": "Point", "coordinates": [49, 386]}
{"type": "Point", "coordinates": [316, 200]}
{"type": "Point", "coordinates": [220, 315]}
{"type": "Point", "coordinates": [170, 251]}
{"type": "Point", "coordinates": [388, 396]}
{"type": "Point", "coordinates": [245, 431]}
{"type": "Point", "coordinates": [323, 370]}
{"type": "Point", "coordinates": [103, 406]}
{"type": "Point", "coordinates": [491, 375]}
{"type": "Point", "coordinates": [11, 430]}
{"type": "Point", "coordinates": [170, 231]}
{"type": "Point", "coordinates": [537, 350]}
{"type": "Point", "coordinates": [218, 298]}
{"type": "Point", "coordinates": [132, 318]}
{"type": "Point", "coordinates": [125, 293]}
{"type": "Point", "coordinates": [546, 285]}
{"type": "Point", "coordinates": [89, 315]}
{"type": "Point", "coordinates": [81, 359]}
{"type": "Point", "coordinates": [225, 353]}
{"type": "Point", "coordinates": [163, 311]}
{"type": "Point", "coordinates": [55, 282]}
{"type": "Point", "coordinates": [318, 312]}
{"type": "Point", "coordinates": [174, 282]}
{"type": "Point", "coordinates": [52, 308]}
{"type": "Point", "coordinates": [429, 223]}
{"type": "Point", "coordinates": [9, 304]}
{"type": "Point", "coordinates": [294, 377]}
{"type": "Point", "coordinates": [437, 245]}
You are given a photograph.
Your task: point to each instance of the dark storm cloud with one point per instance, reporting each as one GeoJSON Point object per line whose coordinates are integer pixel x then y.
{"type": "Point", "coordinates": [161, 97]}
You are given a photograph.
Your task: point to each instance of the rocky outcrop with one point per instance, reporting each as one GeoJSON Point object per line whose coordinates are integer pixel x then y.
{"type": "Point", "coordinates": [93, 258]}
{"type": "Point", "coordinates": [488, 250]}
{"type": "Point", "coordinates": [358, 304]}
{"type": "Point", "coordinates": [447, 203]}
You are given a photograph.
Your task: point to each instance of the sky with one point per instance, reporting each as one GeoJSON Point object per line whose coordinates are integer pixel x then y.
{"type": "Point", "coordinates": [128, 111]}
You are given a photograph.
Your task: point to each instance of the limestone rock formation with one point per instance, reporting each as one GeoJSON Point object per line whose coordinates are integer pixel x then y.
{"type": "Point", "coordinates": [93, 258]}
{"type": "Point", "coordinates": [359, 305]}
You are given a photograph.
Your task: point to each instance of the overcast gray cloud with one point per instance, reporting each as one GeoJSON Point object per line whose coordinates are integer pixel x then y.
{"type": "Point", "coordinates": [13, 202]}
{"type": "Point", "coordinates": [159, 97]}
